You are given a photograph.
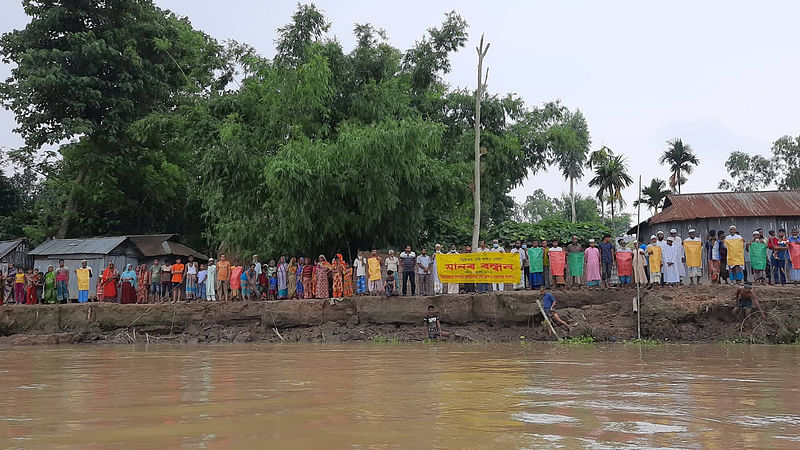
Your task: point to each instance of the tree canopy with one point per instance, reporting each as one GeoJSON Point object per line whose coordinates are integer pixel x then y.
{"type": "Point", "coordinates": [160, 128]}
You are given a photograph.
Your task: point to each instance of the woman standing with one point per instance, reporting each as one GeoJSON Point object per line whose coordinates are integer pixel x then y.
{"type": "Point", "coordinates": [592, 261]}
{"type": "Point", "coordinates": [50, 285]}
{"type": "Point", "coordinates": [308, 278]}
{"type": "Point", "coordinates": [143, 278]}
{"type": "Point", "coordinates": [348, 289]}
{"type": "Point", "coordinates": [338, 276]}
{"type": "Point", "coordinates": [300, 265]}
{"type": "Point", "coordinates": [128, 285]}
{"type": "Point", "coordinates": [283, 278]}
{"type": "Point", "coordinates": [191, 278]}
{"type": "Point", "coordinates": [292, 277]}
{"type": "Point", "coordinates": [236, 279]}
{"type": "Point", "coordinates": [321, 277]}
{"type": "Point", "coordinates": [109, 283]}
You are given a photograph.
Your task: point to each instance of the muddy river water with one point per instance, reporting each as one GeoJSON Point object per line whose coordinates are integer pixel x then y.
{"type": "Point", "coordinates": [400, 396]}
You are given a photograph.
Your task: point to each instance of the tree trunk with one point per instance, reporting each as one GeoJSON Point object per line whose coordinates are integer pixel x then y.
{"type": "Point", "coordinates": [602, 209]}
{"type": "Point", "coordinates": [678, 182]}
{"type": "Point", "coordinates": [572, 197]}
{"type": "Point", "coordinates": [476, 226]}
{"type": "Point", "coordinates": [69, 209]}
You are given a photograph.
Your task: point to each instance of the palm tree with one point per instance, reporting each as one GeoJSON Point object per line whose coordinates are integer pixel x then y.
{"type": "Point", "coordinates": [610, 179]}
{"type": "Point", "coordinates": [681, 160]}
{"type": "Point", "coordinates": [570, 142]}
{"type": "Point", "coordinates": [654, 195]}
{"type": "Point", "coordinates": [598, 158]}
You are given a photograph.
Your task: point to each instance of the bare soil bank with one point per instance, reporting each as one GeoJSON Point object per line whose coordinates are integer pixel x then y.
{"type": "Point", "coordinates": [686, 314]}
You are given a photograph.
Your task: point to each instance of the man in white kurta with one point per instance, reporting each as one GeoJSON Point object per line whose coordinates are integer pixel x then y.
{"type": "Point", "coordinates": [678, 242]}
{"type": "Point", "coordinates": [671, 261]}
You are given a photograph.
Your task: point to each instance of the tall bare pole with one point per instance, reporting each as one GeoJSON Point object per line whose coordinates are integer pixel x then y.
{"type": "Point", "coordinates": [476, 192]}
{"type": "Point", "coordinates": [639, 242]}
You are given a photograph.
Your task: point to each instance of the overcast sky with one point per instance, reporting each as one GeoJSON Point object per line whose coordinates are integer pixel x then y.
{"type": "Point", "coordinates": [721, 75]}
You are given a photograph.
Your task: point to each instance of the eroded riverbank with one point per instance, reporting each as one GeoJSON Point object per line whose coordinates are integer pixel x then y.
{"type": "Point", "coordinates": [687, 314]}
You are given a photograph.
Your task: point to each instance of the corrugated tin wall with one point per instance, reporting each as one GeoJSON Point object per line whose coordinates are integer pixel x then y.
{"type": "Point", "coordinates": [745, 225]}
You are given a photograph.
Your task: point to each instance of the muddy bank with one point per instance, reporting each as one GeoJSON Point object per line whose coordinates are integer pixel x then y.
{"type": "Point", "coordinates": [698, 314]}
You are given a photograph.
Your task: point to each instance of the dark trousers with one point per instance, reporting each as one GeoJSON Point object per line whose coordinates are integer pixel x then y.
{"type": "Point", "coordinates": [409, 276]}
{"type": "Point", "coordinates": [526, 278]}
{"type": "Point", "coordinates": [779, 271]}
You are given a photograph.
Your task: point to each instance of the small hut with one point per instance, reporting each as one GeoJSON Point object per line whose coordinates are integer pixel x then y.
{"type": "Point", "coordinates": [164, 247]}
{"type": "Point", "coordinates": [97, 251]}
{"type": "Point", "coordinates": [16, 252]}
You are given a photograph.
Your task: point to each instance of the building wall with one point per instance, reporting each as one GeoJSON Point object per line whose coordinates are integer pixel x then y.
{"type": "Point", "coordinates": [745, 225]}
{"type": "Point", "coordinates": [18, 256]}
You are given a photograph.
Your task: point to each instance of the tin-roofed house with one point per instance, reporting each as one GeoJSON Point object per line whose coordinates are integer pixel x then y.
{"type": "Point", "coordinates": [749, 211]}
{"type": "Point", "coordinates": [15, 251]}
{"type": "Point", "coordinates": [97, 251]}
{"type": "Point", "coordinates": [164, 247]}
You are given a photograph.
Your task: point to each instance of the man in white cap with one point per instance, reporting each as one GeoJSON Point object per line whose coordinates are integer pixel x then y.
{"type": "Point", "coordinates": [678, 243]}
{"type": "Point", "coordinates": [735, 246]}
{"type": "Point", "coordinates": [211, 281]}
{"type": "Point", "coordinates": [671, 261]}
{"type": "Point", "coordinates": [662, 243]}
{"type": "Point", "coordinates": [654, 254]}
{"type": "Point", "coordinates": [693, 255]}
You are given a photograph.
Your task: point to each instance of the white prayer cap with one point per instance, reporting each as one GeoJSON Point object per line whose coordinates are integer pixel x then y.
{"type": "Point", "coordinates": [669, 239]}
{"type": "Point", "coordinates": [673, 231]}
{"type": "Point", "coordinates": [653, 237]}
{"type": "Point", "coordinates": [732, 227]}
{"type": "Point", "coordinates": [692, 230]}
{"type": "Point", "coordinates": [755, 232]}
{"type": "Point", "coordinates": [438, 245]}
{"type": "Point", "coordinates": [660, 232]}
{"type": "Point", "coordinates": [591, 240]}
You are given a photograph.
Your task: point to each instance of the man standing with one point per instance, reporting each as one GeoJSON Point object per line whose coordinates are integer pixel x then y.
{"type": "Point", "coordinates": [468, 288]}
{"type": "Point", "coordinates": [84, 276]}
{"type": "Point", "coordinates": [670, 255]}
{"type": "Point", "coordinates": [62, 282]}
{"type": "Point", "coordinates": [607, 257]}
{"type": "Point", "coordinates": [526, 266]}
{"type": "Point", "coordinates": [575, 261]}
{"type": "Point", "coordinates": [693, 251]}
{"type": "Point", "coordinates": [155, 280]}
{"type": "Point", "coordinates": [517, 249]}
{"type": "Point", "coordinates": [392, 262]}
{"type": "Point", "coordinates": [593, 258]}
{"type": "Point", "coordinates": [223, 278]}
{"type": "Point", "coordinates": [452, 288]}
{"type": "Point", "coordinates": [211, 281]}
{"type": "Point", "coordinates": [360, 265]}
{"type": "Point", "coordinates": [780, 252]}
{"type": "Point", "coordinates": [423, 272]}
{"type": "Point", "coordinates": [437, 283]}
{"type": "Point", "coordinates": [408, 261]}
{"type": "Point", "coordinates": [734, 244]}
{"type": "Point", "coordinates": [758, 257]}
{"type": "Point", "coordinates": [433, 329]}
{"type": "Point", "coordinates": [535, 254]}
{"type": "Point", "coordinates": [654, 253]}
{"type": "Point", "coordinates": [374, 270]}
{"type": "Point", "coordinates": [678, 243]}
{"type": "Point", "coordinates": [496, 248]}
{"type": "Point", "coordinates": [178, 272]}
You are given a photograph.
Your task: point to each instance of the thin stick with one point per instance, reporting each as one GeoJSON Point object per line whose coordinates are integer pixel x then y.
{"type": "Point", "coordinates": [553, 330]}
{"type": "Point", "coordinates": [638, 241]}
{"type": "Point", "coordinates": [279, 335]}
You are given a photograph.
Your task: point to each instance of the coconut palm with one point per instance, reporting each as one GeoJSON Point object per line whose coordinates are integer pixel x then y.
{"type": "Point", "coordinates": [681, 160]}
{"type": "Point", "coordinates": [610, 179]}
{"type": "Point", "coordinates": [570, 143]}
{"type": "Point", "coordinates": [597, 159]}
{"type": "Point", "coordinates": [654, 195]}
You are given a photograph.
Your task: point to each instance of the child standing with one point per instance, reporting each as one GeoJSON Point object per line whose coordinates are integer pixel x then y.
{"type": "Point", "coordinates": [273, 285]}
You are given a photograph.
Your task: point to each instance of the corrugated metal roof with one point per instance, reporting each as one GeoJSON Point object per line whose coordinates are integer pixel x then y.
{"type": "Point", "coordinates": [91, 246]}
{"type": "Point", "coordinates": [182, 250]}
{"type": "Point", "coordinates": [729, 204]}
{"type": "Point", "coordinates": [7, 246]}
{"type": "Point", "coordinates": [152, 244]}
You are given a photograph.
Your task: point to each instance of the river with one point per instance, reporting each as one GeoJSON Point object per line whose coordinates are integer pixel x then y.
{"type": "Point", "coordinates": [400, 396]}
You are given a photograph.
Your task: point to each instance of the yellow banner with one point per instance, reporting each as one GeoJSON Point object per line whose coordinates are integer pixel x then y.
{"type": "Point", "coordinates": [694, 253]}
{"type": "Point", "coordinates": [486, 267]}
{"type": "Point", "coordinates": [735, 252]}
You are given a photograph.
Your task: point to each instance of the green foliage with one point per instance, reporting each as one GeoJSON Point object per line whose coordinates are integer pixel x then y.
{"type": "Point", "coordinates": [385, 340]}
{"type": "Point", "coordinates": [681, 160]}
{"type": "Point", "coordinates": [538, 206]}
{"type": "Point", "coordinates": [747, 172]}
{"type": "Point", "coordinates": [654, 194]}
{"type": "Point", "coordinates": [582, 340]}
{"type": "Point", "coordinates": [786, 159]}
{"type": "Point", "coordinates": [549, 230]}
{"type": "Point", "coordinates": [611, 177]}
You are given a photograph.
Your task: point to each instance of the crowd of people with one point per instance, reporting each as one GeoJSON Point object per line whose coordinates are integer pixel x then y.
{"type": "Point", "coordinates": [667, 260]}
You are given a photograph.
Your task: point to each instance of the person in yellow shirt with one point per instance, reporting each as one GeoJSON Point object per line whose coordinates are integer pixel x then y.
{"type": "Point", "coordinates": [654, 260]}
{"type": "Point", "coordinates": [374, 273]}
{"type": "Point", "coordinates": [84, 275]}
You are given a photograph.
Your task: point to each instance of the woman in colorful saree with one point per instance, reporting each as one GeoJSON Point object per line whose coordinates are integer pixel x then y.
{"type": "Point", "coordinates": [128, 285]}
{"type": "Point", "coordinates": [321, 277]}
{"type": "Point", "coordinates": [109, 283]}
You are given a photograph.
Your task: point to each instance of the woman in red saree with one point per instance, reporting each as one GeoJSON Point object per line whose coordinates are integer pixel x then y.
{"type": "Point", "coordinates": [143, 279]}
{"type": "Point", "coordinates": [109, 282]}
{"type": "Point", "coordinates": [321, 277]}
{"type": "Point", "coordinates": [348, 289]}
{"type": "Point", "coordinates": [308, 271]}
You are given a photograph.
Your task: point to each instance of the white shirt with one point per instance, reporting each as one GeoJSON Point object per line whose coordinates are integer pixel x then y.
{"type": "Point", "coordinates": [360, 265]}
{"type": "Point", "coordinates": [498, 249]}
{"type": "Point", "coordinates": [391, 263]}
{"type": "Point", "coordinates": [258, 268]}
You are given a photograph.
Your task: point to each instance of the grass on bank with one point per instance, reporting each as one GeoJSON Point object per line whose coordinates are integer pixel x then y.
{"type": "Point", "coordinates": [582, 340]}
{"type": "Point", "coordinates": [385, 340]}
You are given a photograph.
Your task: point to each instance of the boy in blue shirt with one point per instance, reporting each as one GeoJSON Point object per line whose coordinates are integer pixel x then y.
{"type": "Point", "coordinates": [273, 286]}
{"type": "Point", "coordinates": [549, 305]}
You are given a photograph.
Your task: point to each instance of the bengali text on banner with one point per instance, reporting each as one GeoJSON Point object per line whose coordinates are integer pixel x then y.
{"type": "Point", "coordinates": [486, 267]}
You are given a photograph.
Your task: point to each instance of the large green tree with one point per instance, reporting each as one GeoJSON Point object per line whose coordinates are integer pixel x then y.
{"type": "Point", "coordinates": [747, 172]}
{"type": "Point", "coordinates": [571, 141]}
{"type": "Point", "coordinates": [84, 73]}
{"type": "Point", "coordinates": [653, 195]}
{"type": "Point", "coordinates": [786, 162]}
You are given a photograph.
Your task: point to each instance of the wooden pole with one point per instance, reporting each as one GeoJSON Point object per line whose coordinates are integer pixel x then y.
{"type": "Point", "coordinates": [638, 241]}
{"type": "Point", "coordinates": [476, 227]}
{"type": "Point", "coordinates": [546, 319]}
